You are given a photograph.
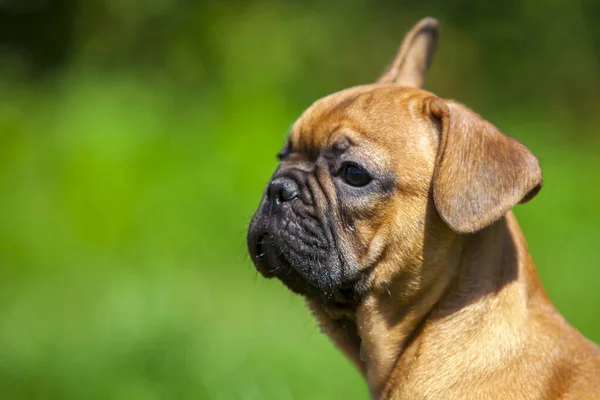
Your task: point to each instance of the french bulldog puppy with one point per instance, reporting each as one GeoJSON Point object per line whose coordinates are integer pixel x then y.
{"type": "Point", "coordinates": [390, 212]}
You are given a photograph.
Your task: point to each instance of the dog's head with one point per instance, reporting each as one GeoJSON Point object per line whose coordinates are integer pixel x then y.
{"type": "Point", "coordinates": [364, 167]}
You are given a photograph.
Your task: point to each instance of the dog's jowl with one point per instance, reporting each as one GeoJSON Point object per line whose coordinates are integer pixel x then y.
{"type": "Point", "coordinates": [390, 212]}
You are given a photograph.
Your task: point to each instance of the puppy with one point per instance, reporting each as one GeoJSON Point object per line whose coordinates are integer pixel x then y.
{"type": "Point", "coordinates": [390, 212]}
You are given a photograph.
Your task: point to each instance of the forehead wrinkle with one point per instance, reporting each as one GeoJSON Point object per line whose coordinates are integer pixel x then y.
{"type": "Point", "coordinates": [374, 157]}
{"type": "Point", "coordinates": [359, 110]}
{"type": "Point", "coordinates": [321, 129]}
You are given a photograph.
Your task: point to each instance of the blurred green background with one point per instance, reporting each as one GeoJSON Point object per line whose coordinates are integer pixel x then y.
{"type": "Point", "coordinates": [135, 141]}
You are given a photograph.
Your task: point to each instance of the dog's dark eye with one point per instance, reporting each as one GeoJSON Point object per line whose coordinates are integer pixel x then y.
{"type": "Point", "coordinates": [355, 176]}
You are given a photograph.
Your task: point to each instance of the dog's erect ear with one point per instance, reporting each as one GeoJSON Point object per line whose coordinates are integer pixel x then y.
{"type": "Point", "coordinates": [414, 56]}
{"type": "Point", "coordinates": [480, 172]}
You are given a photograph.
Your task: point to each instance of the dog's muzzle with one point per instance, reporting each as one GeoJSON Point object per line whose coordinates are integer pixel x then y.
{"type": "Point", "coordinates": [261, 238]}
{"type": "Point", "coordinates": [288, 236]}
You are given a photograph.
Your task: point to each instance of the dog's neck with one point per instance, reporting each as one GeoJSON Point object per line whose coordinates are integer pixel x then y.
{"type": "Point", "coordinates": [479, 272]}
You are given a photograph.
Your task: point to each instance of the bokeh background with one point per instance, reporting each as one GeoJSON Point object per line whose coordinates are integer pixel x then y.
{"type": "Point", "coordinates": [135, 141]}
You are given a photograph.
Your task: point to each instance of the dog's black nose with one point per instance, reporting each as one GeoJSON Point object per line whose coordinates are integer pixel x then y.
{"type": "Point", "coordinates": [282, 189]}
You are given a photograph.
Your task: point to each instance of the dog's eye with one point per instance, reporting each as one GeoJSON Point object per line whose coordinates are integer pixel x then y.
{"type": "Point", "coordinates": [355, 175]}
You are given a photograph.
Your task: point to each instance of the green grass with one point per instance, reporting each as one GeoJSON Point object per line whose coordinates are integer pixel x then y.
{"type": "Point", "coordinates": [164, 333]}
{"type": "Point", "coordinates": [124, 272]}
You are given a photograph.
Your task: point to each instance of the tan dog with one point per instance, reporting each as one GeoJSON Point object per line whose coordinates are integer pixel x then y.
{"type": "Point", "coordinates": [390, 212]}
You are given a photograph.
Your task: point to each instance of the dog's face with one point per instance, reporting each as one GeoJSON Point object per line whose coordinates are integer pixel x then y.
{"type": "Point", "coordinates": [363, 171]}
{"type": "Point", "coordinates": [353, 180]}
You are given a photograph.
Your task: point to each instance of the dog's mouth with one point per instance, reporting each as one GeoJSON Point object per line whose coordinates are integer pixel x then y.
{"type": "Point", "coordinates": [264, 258]}
{"type": "Point", "coordinates": [259, 248]}
{"type": "Point", "coordinates": [271, 261]}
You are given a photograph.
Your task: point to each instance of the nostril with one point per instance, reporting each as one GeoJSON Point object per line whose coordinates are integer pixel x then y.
{"type": "Point", "coordinates": [282, 189]}
{"type": "Point", "coordinates": [289, 191]}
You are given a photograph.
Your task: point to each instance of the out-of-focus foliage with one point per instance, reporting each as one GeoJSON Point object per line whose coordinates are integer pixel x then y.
{"type": "Point", "coordinates": [135, 141]}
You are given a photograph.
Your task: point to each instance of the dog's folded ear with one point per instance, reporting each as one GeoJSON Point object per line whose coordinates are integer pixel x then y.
{"type": "Point", "coordinates": [414, 56]}
{"type": "Point", "coordinates": [480, 172]}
